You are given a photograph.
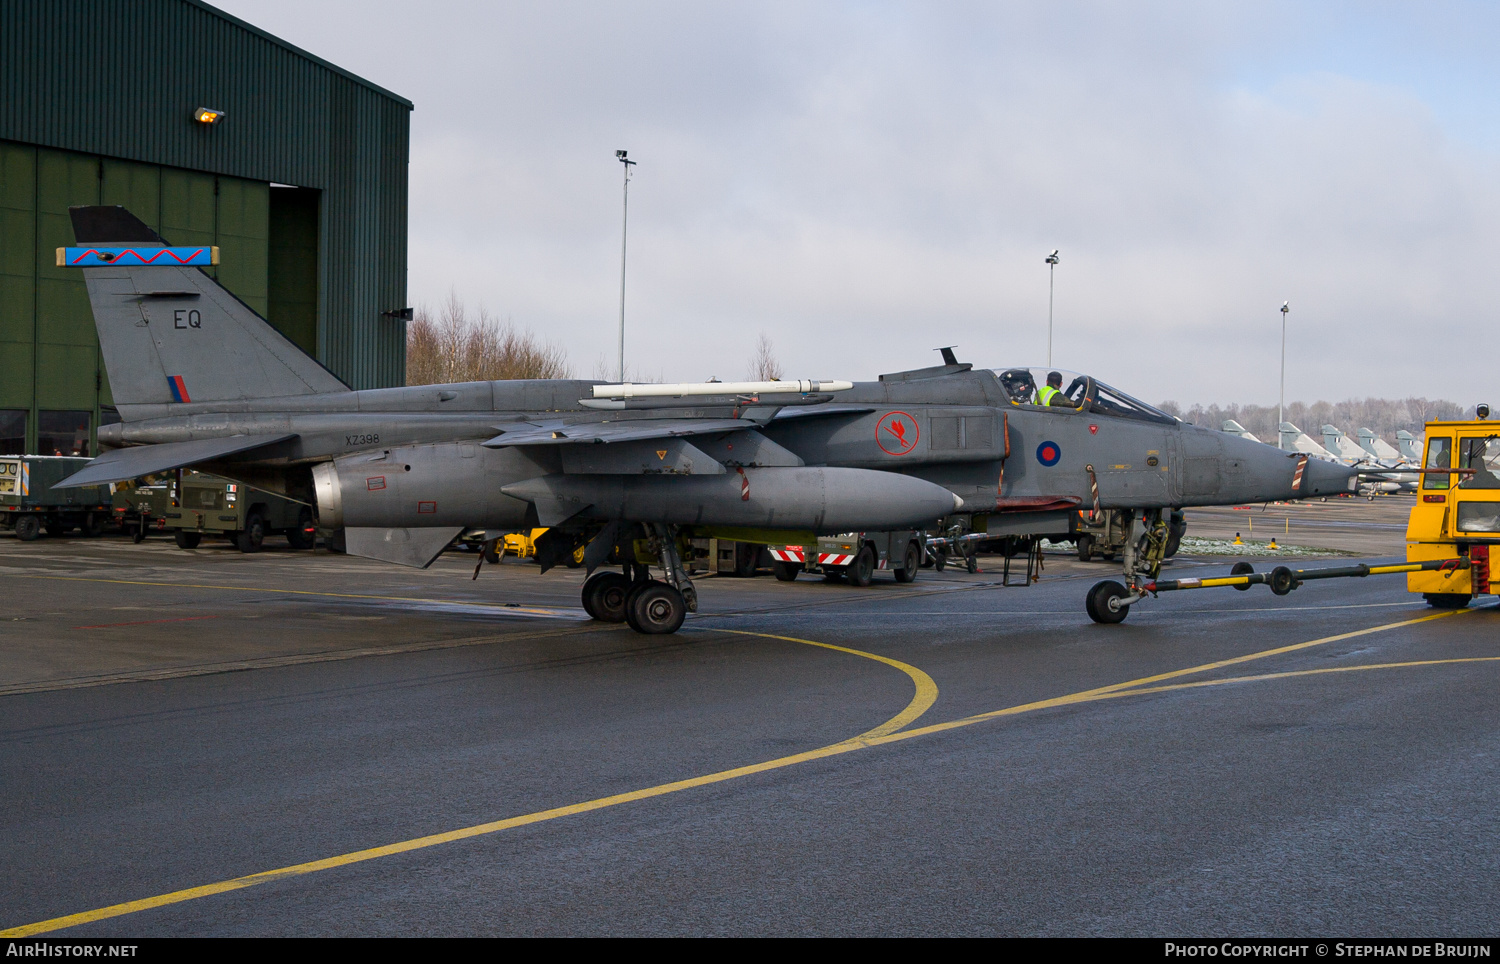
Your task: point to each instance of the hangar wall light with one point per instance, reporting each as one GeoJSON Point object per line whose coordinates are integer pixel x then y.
{"type": "Point", "coordinates": [208, 115]}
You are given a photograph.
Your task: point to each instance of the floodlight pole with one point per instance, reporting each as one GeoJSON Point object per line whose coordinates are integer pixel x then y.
{"type": "Point", "coordinates": [1281, 399]}
{"type": "Point", "coordinates": [1051, 288]}
{"type": "Point", "coordinates": [624, 235]}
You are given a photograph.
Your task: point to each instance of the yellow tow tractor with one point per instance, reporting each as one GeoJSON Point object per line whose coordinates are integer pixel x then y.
{"type": "Point", "coordinates": [1457, 514]}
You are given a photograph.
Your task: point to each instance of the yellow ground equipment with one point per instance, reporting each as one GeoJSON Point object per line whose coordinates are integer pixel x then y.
{"type": "Point", "coordinates": [1457, 512]}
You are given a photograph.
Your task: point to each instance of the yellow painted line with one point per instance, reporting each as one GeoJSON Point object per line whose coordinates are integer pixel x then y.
{"type": "Point", "coordinates": [927, 691]}
{"type": "Point", "coordinates": [926, 695]}
{"type": "Point", "coordinates": [876, 737]}
{"type": "Point", "coordinates": [310, 592]}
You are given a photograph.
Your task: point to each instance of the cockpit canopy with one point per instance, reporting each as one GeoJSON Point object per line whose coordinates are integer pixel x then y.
{"type": "Point", "coordinates": [1054, 388]}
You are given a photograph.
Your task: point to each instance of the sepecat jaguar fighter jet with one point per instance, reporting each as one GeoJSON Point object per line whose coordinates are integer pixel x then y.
{"type": "Point", "coordinates": [630, 471]}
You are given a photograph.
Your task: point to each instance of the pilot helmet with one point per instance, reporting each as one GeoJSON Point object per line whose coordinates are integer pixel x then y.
{"type": "Point", "coordinates": [1018, 384]}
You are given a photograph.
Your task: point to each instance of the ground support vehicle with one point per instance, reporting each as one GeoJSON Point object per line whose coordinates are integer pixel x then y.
{"type": "Point", "coordinates": [853, 557]}
{"type": "Point", "coordinates": [1457, 514]}
{"type": "Point", "coordinates": [208, 505]}
{"type": "Point", "coordinates": [30, 505]}
{"type": "Point", "coordinates": [728, 557]}
{"type": "Point", "coordinates": [139, 509]}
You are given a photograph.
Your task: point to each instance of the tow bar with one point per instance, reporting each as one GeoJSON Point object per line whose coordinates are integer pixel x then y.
{"type": "Point", "coordinates": [1283, 580]}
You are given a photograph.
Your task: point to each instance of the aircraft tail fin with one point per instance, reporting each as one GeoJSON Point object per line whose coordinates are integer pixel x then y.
{"type": "Point", "coordinates": [169, 332]}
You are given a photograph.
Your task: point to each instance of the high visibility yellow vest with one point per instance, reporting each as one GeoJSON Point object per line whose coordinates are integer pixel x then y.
{"type": "Point", "coordinates": [1046, 394]}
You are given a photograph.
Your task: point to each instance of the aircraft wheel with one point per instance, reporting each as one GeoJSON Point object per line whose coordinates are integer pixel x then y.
{"type": "Point", "coordinates": [250, 538]}
{"type": "Point", "coordinates": [910, 563]}
{"type": "Point", "coordinates": [604, 596]}
{"type": "Point", "coordinates": [28, 527]}
{"type": "Point", "coordinates": [188, 540]}
{"type": "Point", "coordinates": [1099, 599]}
{"type": "Point", "coordinates": [1447, 600]}
{"type": "Point", "coordinates": [786, 571]}
{"type": "Point", "coordinates": [1085, 547]}
{"type": "Point", "coordinates": [1242, 569]}
{"type": "Point", "coordinates": [862, 569]}
{"type": "Point", "coordinates": [655, 609]}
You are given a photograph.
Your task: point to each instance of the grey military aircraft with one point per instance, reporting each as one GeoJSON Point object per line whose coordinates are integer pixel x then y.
{"type": "Point", "coordinates": [629, 471]}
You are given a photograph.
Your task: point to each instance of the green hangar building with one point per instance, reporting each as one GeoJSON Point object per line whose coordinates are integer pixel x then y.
{"type": "Point", "coordinates": [213, 132]}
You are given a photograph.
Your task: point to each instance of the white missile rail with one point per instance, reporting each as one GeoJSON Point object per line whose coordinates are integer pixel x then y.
{"type": "Point", "coordinates": [801, 386]}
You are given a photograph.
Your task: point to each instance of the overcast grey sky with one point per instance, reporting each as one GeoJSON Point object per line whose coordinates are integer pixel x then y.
{"type": "Point", "coordinates": [864, 182]}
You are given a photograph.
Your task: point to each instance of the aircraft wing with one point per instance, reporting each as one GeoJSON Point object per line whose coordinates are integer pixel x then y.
{"type": "Point", "coordinates": [624, 430]}
{"type": "Point", "coordinates": [132, 463]}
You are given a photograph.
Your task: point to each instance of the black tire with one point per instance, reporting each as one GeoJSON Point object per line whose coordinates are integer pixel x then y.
{"type": "Point", "coordinates": [786, 571]}
{"type": "Point", "coordinates": [1447, 600]}
{"type": "Point", "coordinates": [655, 609]}
{"type": "Point", "coordinates": [575, 561]}
{"type": "Point", "coordinates": [188, 540]}
{"type": "Point", "coordinates": [940, 561]}
{"type": "Point", "coordinates": [1085, 547]}
{"type": "Point", "coordinates": [28, 528]}
{"type": "Point", "coordinates": [1098, 602]}
{"type": "Point", "coordinates": [971, 562]}
{"type": "Point", "coordinates": [1241, 569]}
{"type": "Point", "coordinates": [744, 559]}
{"type": "Point", "coordinates": [490, 549]}
{"type": "Point", "coordinates": [861, 570]}
{"type": "Point", "coordinates": [604, 596]}
{"type": "Point", "coordinates": [1174, 542]}
{"type": "Point", "coordinates": [304, 536]}
{"type": "Point", "coordinates": [249, 539]}
{"type": "Point", "coordinates": [139, 535]}
{"type": "Point", "coordinates": [911, 562]}
{"type": "Point", "coordinates": [93, 526]}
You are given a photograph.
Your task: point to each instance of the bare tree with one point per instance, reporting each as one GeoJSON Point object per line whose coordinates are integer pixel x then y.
{"type": "Point", "coordinates": [763, 364]}
{"type": "Point", "coordinates": [453, 347]}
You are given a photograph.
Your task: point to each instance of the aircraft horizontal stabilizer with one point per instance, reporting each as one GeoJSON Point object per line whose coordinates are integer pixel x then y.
{"type": "Point", "coordinates": [132, 463]}
{"type": "Point", "coordinates": [417, 548]}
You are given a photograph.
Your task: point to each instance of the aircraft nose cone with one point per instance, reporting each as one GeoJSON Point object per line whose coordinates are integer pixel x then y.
{"type": "Point", "coordinates": [1326, 478]}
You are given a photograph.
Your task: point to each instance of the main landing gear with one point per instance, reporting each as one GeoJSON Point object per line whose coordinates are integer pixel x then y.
{"type": "Point", "coordinates": [1110, 601]}
{"type": "Point", "coordinates": [652, 606]}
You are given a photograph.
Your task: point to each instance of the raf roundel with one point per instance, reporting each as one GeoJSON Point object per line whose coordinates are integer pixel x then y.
{"type": "Point", "coordinates": [1048, 453]}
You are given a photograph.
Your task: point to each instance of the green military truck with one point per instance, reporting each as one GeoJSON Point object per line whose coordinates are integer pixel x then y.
{"type": "Point", "coordinates": [141, 507]}
{"type": "Point", "coordinates": [30, 505]}
{"type": "Point", "coordinates": [208, 505]}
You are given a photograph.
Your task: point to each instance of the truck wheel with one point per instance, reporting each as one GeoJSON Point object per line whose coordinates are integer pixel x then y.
{"type": "Point", "coordinates": [254, 533]}
{"type": "Point", "coordinates": [861, 570]}
{"type": "Point", "coordinates": [1085, 547]}
{"type": "Point", "coordinates": [1098, 602]}
{"type": "Point", "coordinates": [28, 527]}
{"type": "Point", "coordinates": [744, 559]}
{"type": "Point", "coordinates": [1447, 600]}
{"type": "Point", "coordinates": [575, 561]}
{"type": "Point", "coordinates": [304, 536]}
{"type": "Point", "coordinates": [910, 563]}
{"type": "Point", "coordinates": [787, 571]}
{"type": "Point", "coordinates": [604, 596]}
{"type": "Point", "coordinates": [656, 609]}
{"type": "Point", "coordinates": [92, 527]}
{"type": "Point", "coordinates": [186, 539]}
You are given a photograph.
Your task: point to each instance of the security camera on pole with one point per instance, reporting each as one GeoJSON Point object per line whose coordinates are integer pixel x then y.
{"type": "Point", "coordinates": [1051, 286]}
{"type": "Point", "coordinates": [624, 234]}
{"type": "Point", "coordinates": [1281, 399]}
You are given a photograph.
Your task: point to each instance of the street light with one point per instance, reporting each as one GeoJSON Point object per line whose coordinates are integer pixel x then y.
{"type": "Point", "coordinates": [1051, 286]}
{"type": "Point", "coordinates": [624, 233]}
{"type": "Point", "coordinates": [1281, 399]}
